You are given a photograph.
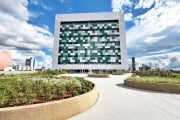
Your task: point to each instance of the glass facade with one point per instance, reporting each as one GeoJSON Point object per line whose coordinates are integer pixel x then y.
{"type": "Point", "coordinates": [89, 42]}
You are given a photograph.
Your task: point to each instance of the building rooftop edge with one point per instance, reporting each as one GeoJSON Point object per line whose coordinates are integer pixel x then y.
{"type": "Point", "coordinates": [89, 16]}
{"type": "Point", "coordinates": [89, 13]}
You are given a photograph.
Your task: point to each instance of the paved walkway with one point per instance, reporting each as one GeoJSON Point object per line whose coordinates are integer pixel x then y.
{"type": "Point", "coordinates": [117, 102]}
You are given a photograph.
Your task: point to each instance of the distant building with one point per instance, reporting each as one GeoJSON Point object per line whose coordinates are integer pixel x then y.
{"type": "Point", "coordinates": [133, 64]}
{"type": "Point", "coordinates": [90, 41]}
{"type": "Point", "coordinates": [144, 68]}
{"type": "Point", "coordinates": [176, 71]}
{"type": "Point", "coordinates": [29, 63]}
{"type": "Point", "coordinates": [40, 69]}
{"type": "Point", "coordinates": [9, 69]}
{"type": "Point", "coordinates": [15, 67]}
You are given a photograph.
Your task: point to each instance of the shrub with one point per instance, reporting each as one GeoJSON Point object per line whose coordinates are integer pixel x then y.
{"type": "Point", "coordinates": [176, 75]}
{"type": "Point", "coordinates": [34, 88]}
{"type": "Point", "coordinates": [156, 79]}
{"type": "Point", "coordinates": [84, 90]}
{"type": "Point", "coordinates": [75, 93]}
{"type": "Point", "coordinates": [99, 75]}
{"type": "Point", "coordinates": [118, 72]}
{"type": "Point", "coordinates": [54, 72]}
{"type": "Point", "coordinates": [155, 73]}
{"type": "Point", "coordinates": [48, 96]}
{"type": "Point", "coordinates": [2, 74]}
{"type": "Point", "coordinates": [79, 90]}
{"type": "Point", "coordinates": [88, 88]}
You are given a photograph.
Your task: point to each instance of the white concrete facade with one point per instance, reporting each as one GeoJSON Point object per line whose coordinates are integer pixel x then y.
{"type": "Point", "coordinates": [90, 17]}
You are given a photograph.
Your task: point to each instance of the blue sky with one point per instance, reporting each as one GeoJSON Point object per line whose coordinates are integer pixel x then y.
{"type": "Point", "coordinates": [152, 28]}
{"type": "Point", "coordinates": [65, 7]}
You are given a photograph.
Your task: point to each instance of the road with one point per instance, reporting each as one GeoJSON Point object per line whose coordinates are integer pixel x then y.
{"type": "Point", "coordinates": [118, 102]}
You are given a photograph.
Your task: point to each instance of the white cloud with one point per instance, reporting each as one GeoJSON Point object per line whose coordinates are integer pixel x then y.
{"type": "Point", "coordinates": [41, 3]}
{"type": "Point", "coordinates": [146, 3]}
{"type": "Point", "coordinates": [117, 5]}
{"type": "Point", "coordinates": [46, 7]}
{"type": "Point", "coordinates": [35, 2]}
{"type": "Point", "coordinates": [128, 16]}
{"type": "Point", "coordinates": [155, 31]}
{"type": "Point", "coordinates": [151, 40]}
{"type": "Point", "coordinates": [45, 62]}
{"type": "Point", "coordinates": [67, 5]}
{"type": "Point", "coordinates": [22, 34]}
{"type": "Point", "coordinates": [36, 14]}
{"type": "Point", "coordinates": [17, 8]}
{"type": "Point", "coordinates": [41, 59]}
{"type": "Point", "coordinates": [157, 26]}
{"type": "Point", "coordinates": [168, 61]}
{"type": "Point", "coordinates": [22, 39]}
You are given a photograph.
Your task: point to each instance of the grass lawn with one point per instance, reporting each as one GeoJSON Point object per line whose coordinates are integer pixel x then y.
{"type": "Point", "coordinates": [176, 75]}
{"type": "Point", "coordinates": [172, 80]}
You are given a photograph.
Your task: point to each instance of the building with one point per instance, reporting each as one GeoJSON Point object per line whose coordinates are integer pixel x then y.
{"type": "Point", "coordinates": [29, 63]}
{"type": "Point", "coordinates": [90, 41]}
{"type": "Point", "coordinates": [8, 69]}
{"type": "Point", "coordinates": [133, 64]}
{"type": "Point", "coordinates": [144, 68]}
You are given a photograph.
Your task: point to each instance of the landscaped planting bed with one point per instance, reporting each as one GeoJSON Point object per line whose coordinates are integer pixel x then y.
{"type": "Point", "coordinates": [25, 89]}
{"type": "Point", "coordinates": [99, 75]}
{"type": "Point", "coordinates": [165, 81]}
{"type": "Point", "coordinates": [120, 72]}
{"type": "Point", "coordinates": [171, 80]}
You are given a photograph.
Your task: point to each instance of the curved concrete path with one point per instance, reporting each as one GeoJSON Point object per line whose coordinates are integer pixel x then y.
{"type": "Point", "coordinates": [117, 102]}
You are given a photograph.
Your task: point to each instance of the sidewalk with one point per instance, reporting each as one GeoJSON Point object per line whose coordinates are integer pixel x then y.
{"type": "Point", "coordinates": [118, 102]}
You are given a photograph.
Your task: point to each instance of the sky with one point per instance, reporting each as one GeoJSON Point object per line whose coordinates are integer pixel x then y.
{"type": "Point", "coordinates": [152, 28]}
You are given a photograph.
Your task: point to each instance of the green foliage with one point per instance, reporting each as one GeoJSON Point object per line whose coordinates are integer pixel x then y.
{"type": "Point", "coordinates": [22, 89]}
{"type": "Point", "coordinates": [86, 86]}
{"type": "Point", "coordinates": [2, 74]}
{"type": "Point", "coordinates": [156, 79]}
{"type": "Point", "coordinates": [79, 90]}
{"type": "Point", "coordinates": [98, 75]}
{"type": "Point", "coordinates": [84, 90]}
{"type": "Point", "coordinates": [53, 72]}
{"type": "Point", "coordinates": [155, 73]}
{"type": "Point", "coordinates": [176, 75]}
{"type": "Point", "coordinates": [118, 72]}
{"type": "Point", "coordinates": [75, 93]}
{"type": "Point", "coordinates": [61, 90]}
